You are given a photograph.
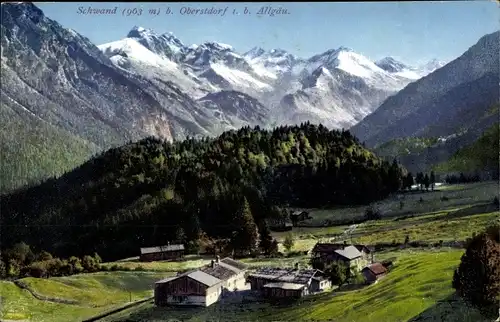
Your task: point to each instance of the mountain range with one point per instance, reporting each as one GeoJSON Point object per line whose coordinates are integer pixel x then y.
{"type": "Point", "coordinates": [93, 97]}
{"type": "Point", "coordinates": [338, 87]}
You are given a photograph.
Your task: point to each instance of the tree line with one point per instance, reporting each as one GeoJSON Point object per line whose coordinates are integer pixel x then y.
{"type": "Point", "coordinates": [20, 261]}
{"type": "Point", "coordinates": [422, 180]}
{"type": "Point", "coordinates": [151, 192]}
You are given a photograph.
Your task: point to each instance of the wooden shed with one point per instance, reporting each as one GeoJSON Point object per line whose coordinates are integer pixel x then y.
{"type": "Point", "coordinates": [374, 272]}
{"type": "Point", "coordinates": [282, 282]}
{"type": "Point", "coordinates": [284, 290]}
{"type": "Point", "coordinates": [158, 253]}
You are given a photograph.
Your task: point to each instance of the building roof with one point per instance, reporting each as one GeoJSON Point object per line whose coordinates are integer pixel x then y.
{"type": "Point", "coordinates": [332, 247]}
{"type": "Point", "coordinates": [168, 279]}
{"type": "Point", "coordinates": [239, 265]}
{"type": "Point", "coordinates": [210, 275]}
{"type": "Point", "coordinates": [285, 286]}
{"type": "Point", "coordinates": [350, 252]}
{"type": "Point", "coordinates": [320, 278]}
{"type": "Point", "coordinates": [376, 268]}
{"type": "Point", "coordinates": [288, 275]}
{"type": "Point", "coordinates": [220, 270]}
{"type": "Point", "coordinates": [160, 249]}
{"type": "Point", "coordinates": [204, 278]}
{"type": "Point", "coordinates": [196, 275]}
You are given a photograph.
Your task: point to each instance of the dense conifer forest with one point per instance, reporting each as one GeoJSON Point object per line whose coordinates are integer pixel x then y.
{"type": "Point", "coordinates": [152, 192]}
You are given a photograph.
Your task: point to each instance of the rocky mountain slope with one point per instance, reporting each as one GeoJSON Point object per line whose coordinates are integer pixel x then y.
{"type": "Point", "coordinates": [62, 78]}
{"type": "Point", "coordinates": [58, 81]}
{"type": "Point", "coordinates": [452, 100]}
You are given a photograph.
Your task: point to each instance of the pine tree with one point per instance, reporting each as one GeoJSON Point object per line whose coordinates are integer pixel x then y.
{"type": "Point", "coordinates": [274, 247]}
{"type": "Point", "coordinates": [420, 179]}
{"type": "Point", "coordinates": [266, 240]}
{"type": "Point", "coordinates": [409, 181]}
{"type": "Point", "coordinates": [395, 176]}
{"type": "Point", "coordinates": [246, 235]}
{"type": "Point", "coordinates": [426, 182]}
{"type": "Point", "coordinates": [180, 236]}
{"type": "Point", "coordinates": [433, 180]}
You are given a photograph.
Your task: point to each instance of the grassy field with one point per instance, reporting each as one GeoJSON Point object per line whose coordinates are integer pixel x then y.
{"type": "Point", "coordinates": [453, 212]}
{"type": "Point", "coordinates": [447, 225]}
{"type": "Point", "coordinates": [416, 285]}
{"type": "Point", "coordinates": [190, 262]}
{"type": "Point", "coordinates": [445, 197]}
{"type": "Point", "coordinates": [94, 293]}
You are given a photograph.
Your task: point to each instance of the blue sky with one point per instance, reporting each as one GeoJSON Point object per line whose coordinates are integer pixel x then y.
{"type": "Point", "coordinates": [413, 32]}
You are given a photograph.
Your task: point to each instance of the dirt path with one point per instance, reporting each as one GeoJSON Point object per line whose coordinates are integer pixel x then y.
{"type": "Point", "coordinates": [40, 297]}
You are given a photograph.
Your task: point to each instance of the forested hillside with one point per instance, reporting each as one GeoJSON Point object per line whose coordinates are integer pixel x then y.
{"type": "Point", "coordinates": [33, 150]}
{"type": "Point", "coordinates": [404, 146]}
{"type": "Point", "coordinates": [424, 153]}
{"type": "Point", "coordinates": [482, 155]}
{"type": "Point", "coordinates": [153, 191]}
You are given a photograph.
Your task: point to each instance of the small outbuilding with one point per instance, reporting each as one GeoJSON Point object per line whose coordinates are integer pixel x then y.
{"type": "Point", "coordinates": [374, 272]}
{"type": "Point", "coordinates": [284, 290]}
{"type": "Point", "coordinates": [288, 282]}
{"type": "Point", "coordinates": [158, 253]}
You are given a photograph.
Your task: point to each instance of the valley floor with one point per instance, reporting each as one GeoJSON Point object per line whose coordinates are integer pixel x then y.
{"type": "Point", "coordinates": [417, 289]}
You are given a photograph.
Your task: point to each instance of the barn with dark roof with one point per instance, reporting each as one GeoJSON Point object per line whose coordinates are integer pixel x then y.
{"type": "Point", "coordinates": [158, 253]}
{"type": "Point", "coordinates": [323, 254]}
{"type": "Point", "coordinates": [374, 272]}
{"type": "Point", "coordinates": [288, 282]}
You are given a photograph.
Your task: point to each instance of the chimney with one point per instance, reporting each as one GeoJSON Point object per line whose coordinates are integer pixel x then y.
{"type": "Point", "coordinates": [217, 259]}
{"type": "Point", "coordinates": [212, 263]}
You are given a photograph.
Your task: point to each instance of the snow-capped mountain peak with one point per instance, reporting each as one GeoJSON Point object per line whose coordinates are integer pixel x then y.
{"type": "Point", "coordinates": [431, 66]}
{"type": "Point", "coordinates": [344, 48]}
{"type": "Point", "coordinates": [391, 65]}
{"type": "Point", "coordinates": [345, 59]}
{"type": "Point", "coordinates": [217, 46]}
{"type": "Point", "coordinates": [254, 53]}
{"type": "Point", "coordinates": [273, 63]}
{"type": "Point", "coordinates": [166, 45]}
{"type": "Point", "coordinates": [212, 52]}
{"type": "Point", "coordinates": [397, 68]}
{"type": "Point", "coordinates": [278, 52]}
{"type": "Point", "coordinates": [139, 32]}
